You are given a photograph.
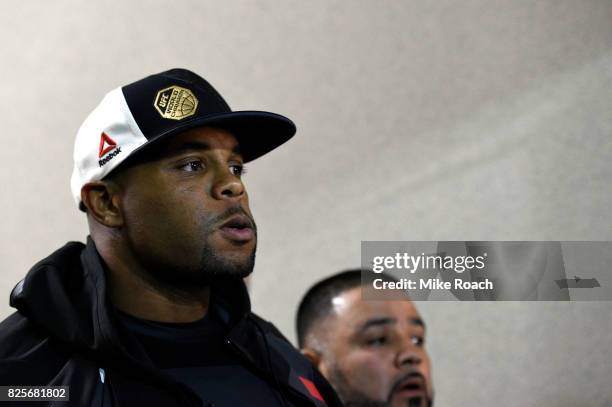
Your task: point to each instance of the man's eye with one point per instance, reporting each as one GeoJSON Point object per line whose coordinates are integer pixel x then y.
{"type": "Point", "coordinates": [418, 341]}
{"type": "Point", "coordinates": [379, 341]}
{"type": "Point", "coordinates": [238, 170]}
{"type": "Point", "coordinates": [191, 166]}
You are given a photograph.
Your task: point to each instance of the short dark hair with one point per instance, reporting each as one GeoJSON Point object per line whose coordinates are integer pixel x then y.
{"type": "Point", "coordinates": [317, 302]}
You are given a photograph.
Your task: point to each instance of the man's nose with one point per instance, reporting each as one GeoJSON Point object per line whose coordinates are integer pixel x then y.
{"type": "Point", "coordinates": [409, 355]}
{"type": "Point", "coordinates": [227, 186]}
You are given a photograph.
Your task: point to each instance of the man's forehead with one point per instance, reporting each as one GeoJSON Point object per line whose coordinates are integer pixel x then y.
{"type": "Point", "coordinates": [349, 305]}
{"type": "Point", "coordinates": [202, 138]}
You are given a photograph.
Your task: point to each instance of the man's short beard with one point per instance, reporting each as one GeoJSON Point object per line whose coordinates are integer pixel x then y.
{"type": "Point", "coordinates": [212, 268]}
{"type": "Point", "coordinates": [355, 398]}
{"type": "Point", "coordinates": [351, 397]}
{"type": "Point", "coordinates": [215, 267]}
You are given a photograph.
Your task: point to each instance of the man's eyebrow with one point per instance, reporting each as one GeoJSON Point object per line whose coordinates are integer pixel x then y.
{"type": "Point", "coordinates": [375, 322]}
{"type": "Point", "coordinates": [388, 321]}
{"type": "Point", "coordinates": [201, 145]}
{"type": "Point", "coordinates": [417, 321]}
{"type": "Point", "coordinates": [193, 145]}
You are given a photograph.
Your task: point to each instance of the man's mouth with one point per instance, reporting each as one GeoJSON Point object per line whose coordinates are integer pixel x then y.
{"type": "Point", "coordinates": [238, 228]}
{"type": "Point", "coordinates": [412, 385]}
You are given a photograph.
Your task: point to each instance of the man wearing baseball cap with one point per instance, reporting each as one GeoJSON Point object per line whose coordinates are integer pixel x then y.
{"type": "Point", "coordinates": [153, 310]}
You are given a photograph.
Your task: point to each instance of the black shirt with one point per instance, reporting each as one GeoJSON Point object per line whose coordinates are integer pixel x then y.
{"type": "Point", "coordinates": [196, 355]}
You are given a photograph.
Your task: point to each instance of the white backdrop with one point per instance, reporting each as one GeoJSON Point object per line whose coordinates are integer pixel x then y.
{"type": "Point", "coordinates": [417, 120]}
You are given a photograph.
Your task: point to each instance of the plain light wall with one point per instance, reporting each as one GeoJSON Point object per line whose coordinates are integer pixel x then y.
{"type": "Point", "coordinates": [417, 120]}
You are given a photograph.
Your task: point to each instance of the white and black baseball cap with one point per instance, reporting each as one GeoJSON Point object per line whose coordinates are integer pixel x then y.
{"type": "Point", "coordinates": [132, 117]}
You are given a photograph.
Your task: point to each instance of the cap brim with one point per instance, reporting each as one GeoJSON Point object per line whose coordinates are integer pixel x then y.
{"type": "Point", "coordinates": [257, 132]}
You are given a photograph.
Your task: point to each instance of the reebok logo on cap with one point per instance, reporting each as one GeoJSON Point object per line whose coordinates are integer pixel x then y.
{"type": "Point", "coordinates": [107, 144]}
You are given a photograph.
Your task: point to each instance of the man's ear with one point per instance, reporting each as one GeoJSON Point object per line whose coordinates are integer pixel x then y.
{"type": "Point", "coordinates": [316, 359]}
{"type": "Point", "coordinates": [102, 199]}
{"type": "Point", "coordinates": [312, 355]}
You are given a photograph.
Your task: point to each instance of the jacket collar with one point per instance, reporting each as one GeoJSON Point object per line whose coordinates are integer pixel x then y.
{"type": "Point", "coordinates": [66, 295]}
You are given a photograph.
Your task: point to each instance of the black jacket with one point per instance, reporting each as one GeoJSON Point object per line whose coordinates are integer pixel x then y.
{"type": "Point", "coordinates": [66, 333]}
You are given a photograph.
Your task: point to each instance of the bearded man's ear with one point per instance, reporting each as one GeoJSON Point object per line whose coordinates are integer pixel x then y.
{"type": "Point", "coordinates": [316, 359]}
{"type": "Point", "coordinates": [102, 200]}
